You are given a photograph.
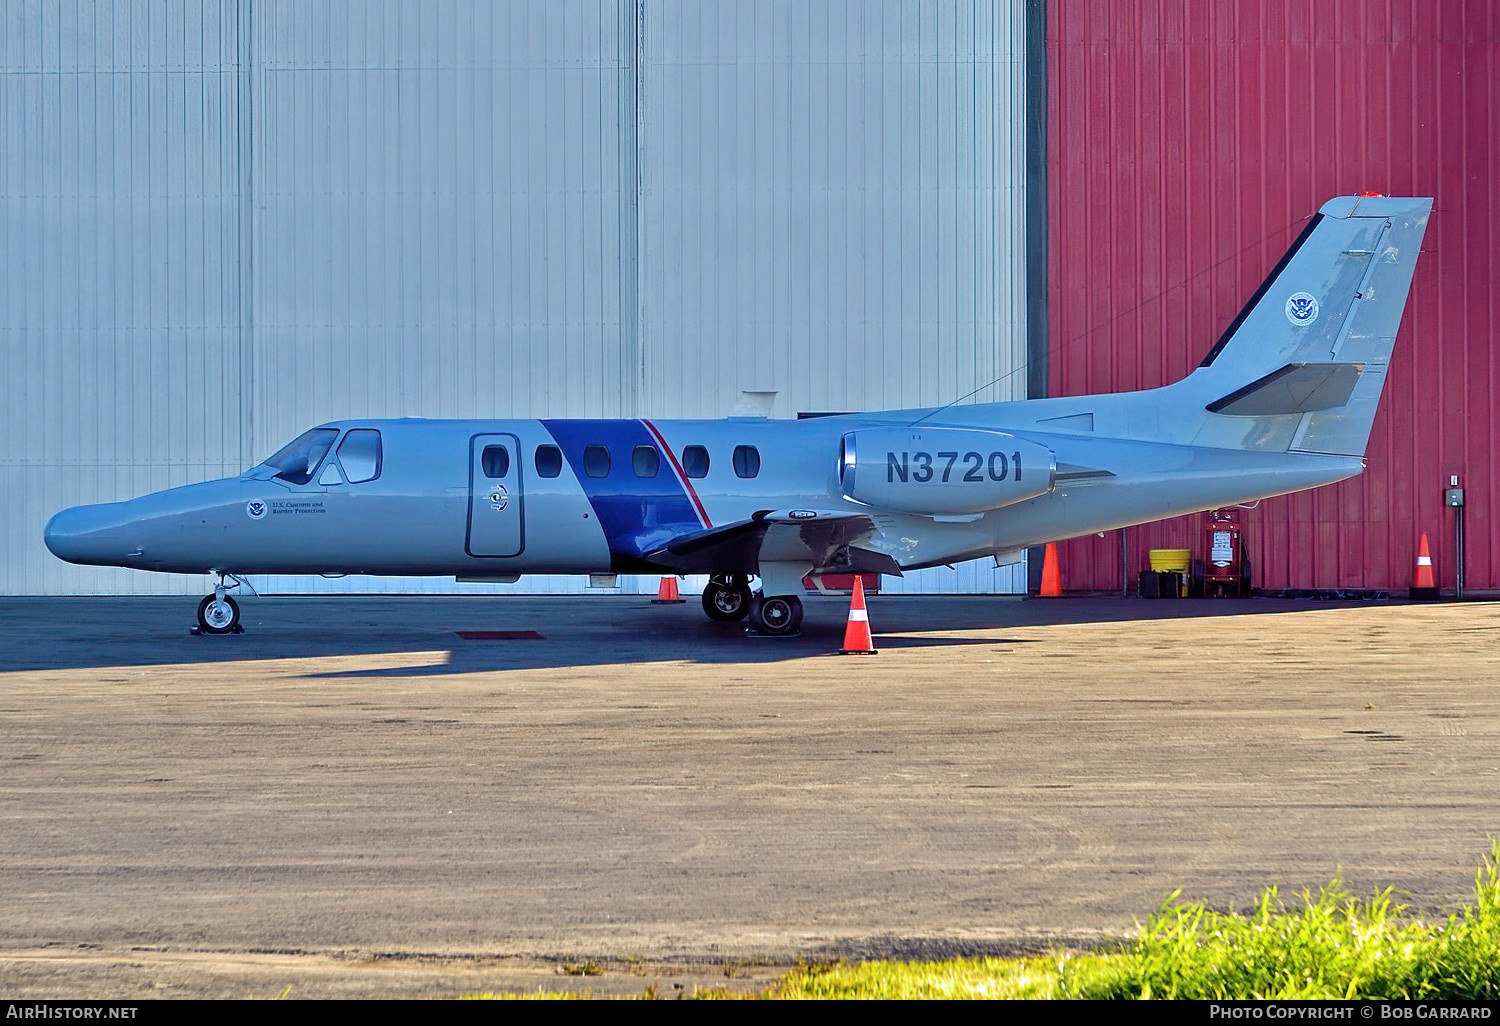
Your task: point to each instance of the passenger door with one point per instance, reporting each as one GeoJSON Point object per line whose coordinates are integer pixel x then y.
{"type": "Point", "coordinates": [495, 520]}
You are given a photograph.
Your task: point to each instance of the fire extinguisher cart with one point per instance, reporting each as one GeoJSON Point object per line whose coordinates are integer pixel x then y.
{"type": "Point", "coordinates": [1226, 568]}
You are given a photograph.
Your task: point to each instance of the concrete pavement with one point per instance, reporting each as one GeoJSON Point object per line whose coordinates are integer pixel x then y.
{"type": "Point", "coordinates": [351, 799]}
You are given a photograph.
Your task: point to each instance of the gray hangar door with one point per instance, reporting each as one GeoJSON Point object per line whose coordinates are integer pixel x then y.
{"type": "Point", "coordinates": [225, 222]}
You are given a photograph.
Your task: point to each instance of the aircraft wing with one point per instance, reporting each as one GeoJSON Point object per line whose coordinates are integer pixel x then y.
{"type": "Point", "coordinates": [729, 548]}
{"type": "Point", "coordinates": [829, 540]}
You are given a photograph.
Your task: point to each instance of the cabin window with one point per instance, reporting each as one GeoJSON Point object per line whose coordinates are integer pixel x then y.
{"type": "Point", "coordinates": [360, 455]}
{"type": "Point", "coordinates": [495, 460]}
{"type": "Point", "coordinates": [746, 461]}
{"type": "Point", "coordinates": [298, 461]}
{"type": "Point", "coordinates": [695, 461]}
{"type": "Point", "coordinates": [548, 461]}
{"type": "Point", "coordinates": [596, 461]}
{"type": "Point", "coordinates": [646, 461]}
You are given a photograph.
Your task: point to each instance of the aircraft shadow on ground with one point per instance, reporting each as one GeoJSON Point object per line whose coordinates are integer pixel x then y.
{"type": "Point", "coordinates": [43, 634]}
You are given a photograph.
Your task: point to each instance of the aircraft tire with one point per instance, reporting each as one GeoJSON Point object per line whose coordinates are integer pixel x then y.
{"type": "Point", "coordinates": [726, 603]}
{"type": "Point", "coordinates": [779, 614]}
{"type": "Point", "coordinates": [215, 617]}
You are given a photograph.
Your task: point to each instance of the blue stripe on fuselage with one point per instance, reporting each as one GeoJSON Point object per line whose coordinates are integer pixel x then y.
{"type": "Point", "coordinates": [638, 514]}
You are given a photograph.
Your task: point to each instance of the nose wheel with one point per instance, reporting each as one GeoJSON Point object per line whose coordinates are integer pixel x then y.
{"type": "Point", "coordinates": [218, 613]}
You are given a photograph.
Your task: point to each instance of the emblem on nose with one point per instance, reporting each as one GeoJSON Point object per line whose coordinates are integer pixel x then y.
{"type": "Point", "coordinates": [255, 509]}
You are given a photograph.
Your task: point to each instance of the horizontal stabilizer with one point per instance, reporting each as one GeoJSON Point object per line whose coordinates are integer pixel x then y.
{"type": "Point", "coordinates": [1295, 388]}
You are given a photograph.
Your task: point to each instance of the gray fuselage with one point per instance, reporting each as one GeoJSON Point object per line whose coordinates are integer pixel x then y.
{"type": "Point", "coordinates": [434, 510]}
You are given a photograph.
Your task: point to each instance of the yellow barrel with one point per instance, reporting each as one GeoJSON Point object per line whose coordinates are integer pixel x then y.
{"type": "Point", "coordinates": [1170, 559]}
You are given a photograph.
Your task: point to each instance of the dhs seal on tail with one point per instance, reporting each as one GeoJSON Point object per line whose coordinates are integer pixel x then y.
{"type": "Point", "coordinates": [1302, 309]}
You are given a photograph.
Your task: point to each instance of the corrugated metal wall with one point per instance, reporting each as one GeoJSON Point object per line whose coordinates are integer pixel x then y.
{"type": "Point", "coordinates": [832, 208]}
{"type": "Point", "coordinates": [443, 211]}
{"type": "Point", "coordinates": [444, 220]}
{"type": "Point", "coordinates": [832, 203]}
{"type": "Point", "coordinates": [225, 222]}
{"type": "Point", "coordinates": [123, 297]}
{"type": "Point", "coordinates": [1188, 141]}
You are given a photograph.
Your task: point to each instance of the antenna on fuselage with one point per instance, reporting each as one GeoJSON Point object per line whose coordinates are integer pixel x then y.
{"type": "Point", "coordinates": [754, 403]}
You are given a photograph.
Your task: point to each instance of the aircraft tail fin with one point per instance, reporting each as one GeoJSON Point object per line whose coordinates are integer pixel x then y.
{"type": "Point", "coordinates": [1315, 340]}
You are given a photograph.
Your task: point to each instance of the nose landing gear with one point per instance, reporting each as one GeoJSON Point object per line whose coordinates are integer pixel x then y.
{"type": "Point", "coordinates": [218, 613]}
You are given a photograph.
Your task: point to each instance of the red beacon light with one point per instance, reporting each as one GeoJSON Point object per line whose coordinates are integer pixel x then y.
{"type": "Point", "coordinates": [1363, 195]}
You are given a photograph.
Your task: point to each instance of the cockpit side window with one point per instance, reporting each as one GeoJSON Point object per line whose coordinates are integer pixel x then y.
{"type": "Point", "coordinates": [299, 461]}
{"type": "Point", "coordinates": [360, 455]}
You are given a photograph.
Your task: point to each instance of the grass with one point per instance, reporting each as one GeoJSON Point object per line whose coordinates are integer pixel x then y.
{"type": "Point", "coordinates": [958, 978]}
{"type": "Point", "coordinates": [1327, 945]}
{"type": "Point", "coordinates": [589, 968]}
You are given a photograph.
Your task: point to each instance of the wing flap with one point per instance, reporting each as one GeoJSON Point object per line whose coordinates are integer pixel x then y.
{"type": "Point", "coordinates": [827, 539]}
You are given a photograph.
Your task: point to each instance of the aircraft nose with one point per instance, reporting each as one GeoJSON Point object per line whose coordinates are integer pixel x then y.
{"type": "Point", "coordinates": [81, 534]}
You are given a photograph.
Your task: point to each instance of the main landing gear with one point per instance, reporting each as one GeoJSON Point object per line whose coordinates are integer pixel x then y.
{"type": "Point", "coordinates": [728, 598]}
{"type": "Point", "coordinates": [218, 613]}
{"type": "Point", "coordinates": [777, 616]}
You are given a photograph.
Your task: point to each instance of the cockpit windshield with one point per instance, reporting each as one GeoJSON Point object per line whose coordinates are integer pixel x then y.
{"type": "Point", "coordinates": [297, 461]}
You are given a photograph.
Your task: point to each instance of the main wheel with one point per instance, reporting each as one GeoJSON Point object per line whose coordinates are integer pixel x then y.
{"type": "Point", "coordinates": [780, 614]}
{"type": "Point", "coordinates": [726, 602]}
{"type": "Point", "coordinates": [218, 616]}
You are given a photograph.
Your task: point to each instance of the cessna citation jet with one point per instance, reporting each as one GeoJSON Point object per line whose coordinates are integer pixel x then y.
{"type": "Point", "coordinates": [1284, 401]}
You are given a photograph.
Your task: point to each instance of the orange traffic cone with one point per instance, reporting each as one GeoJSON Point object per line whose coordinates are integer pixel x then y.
{"type": "Point", "coordinates": [1423, 583]}
{"type": "Point", "coordinates": [857, 640]}
{"type": "Point", "coordinates": [667, 592]}
{"type": "Point", "coordinates": [1051, 578]}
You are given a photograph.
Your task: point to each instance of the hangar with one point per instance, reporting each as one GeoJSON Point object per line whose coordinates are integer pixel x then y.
{"type": "Point", "coordinates": [227, 221]}
{"type": "Point", "coordinates": [1186, 142]}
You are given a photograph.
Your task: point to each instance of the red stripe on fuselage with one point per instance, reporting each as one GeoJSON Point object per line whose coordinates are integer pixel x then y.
{"type": "Point", "coordinates": [677, 467]}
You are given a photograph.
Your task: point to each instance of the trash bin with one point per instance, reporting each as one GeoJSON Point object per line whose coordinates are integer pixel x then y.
{"type": "Point", "coordinates": [1168, 573]}
{"type": "Point", "coordinates": [1178, 560]}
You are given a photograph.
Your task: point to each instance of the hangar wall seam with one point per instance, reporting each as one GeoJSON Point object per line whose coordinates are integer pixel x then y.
{"type": "Point", "coordinates": [247, 242]}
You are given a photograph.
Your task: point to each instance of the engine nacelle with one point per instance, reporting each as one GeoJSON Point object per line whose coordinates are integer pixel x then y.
{"type": "Point", "coordinates": [943, 471]}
